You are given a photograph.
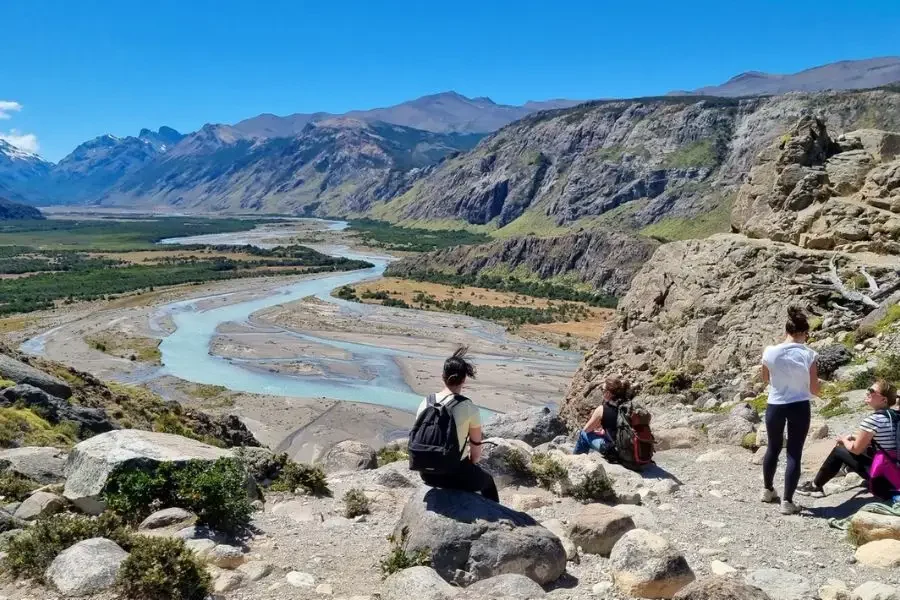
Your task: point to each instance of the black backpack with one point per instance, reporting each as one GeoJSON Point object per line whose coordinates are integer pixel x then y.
{"type": "Point", "coordinates": [433, 443]}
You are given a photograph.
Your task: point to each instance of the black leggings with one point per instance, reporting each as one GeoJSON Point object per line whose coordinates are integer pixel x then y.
{"type": "Point", "coordinates": [797, 416]}
{"type": "Point", "coordinates": [858, 463]}
{"type": "Point", "coordinates": [469, 478]}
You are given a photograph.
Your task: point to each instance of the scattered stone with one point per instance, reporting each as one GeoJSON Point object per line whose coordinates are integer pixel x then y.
{"type": "Point", "coordinates": [758, 456]}
{"type": "Point", "coordinates": [39, 504]}
{"type": "Point", "coordinates": [255, 570]}
{"type": "Point", "coordinates": [168, 517]}
{"type": "Point", "coordinates": [831, 359]}
{"type": "Point", "coordinates": [324, 589]}
{"type": "Point", "coordinates": [508, 587]}
{"type": "Point", "coordinates": [779, 584]}
{"type": "Point", "coordinates": [471, 538]}
{"type": "Point", "coordinates": [227, 582]}
{"type": "Point", "coordinates": [720, 588]}
{"type": "Point", "coordinates": [526, 502]}
{"type": "Point", "coordinates": [834, 590]}
{"type": "Point", "coordinates": [678, 437]}
{"type": "Point", "coordinates": [349, 455]}
{"type": "Point", "coordinates": [746, 412]}
{"type": "Point", "coordinates": [713, 524]}
{"type": "Point", "coordinates": [717, 567]}
{"type": "Point", "coordinates": [646, 565]}
{"type": "Point", "coordinates": [390, 477]}
{"type": "Point", "coordinates": [868, 527]}
{"type": "Point", "coordinates": [202, 548]}
{"type": "Point", "coordinates": [295, 510]}
{"type": "Point", "coordinates": [596, 528]}
{"type": "Point", "coordinates": [556, 527]}
{"type": "Point", "coordinates": [91, 461]}
{"type": "Point", "coordinates": [22, 373]}
{"type": "Point", "coordinates": [818, 430]}
{"type": "Point", "coordinates": [642, 516]}
{"type": "Point", "coordinates": [225, 556]}
{"type": "Point", "coordinates": [874, 590]}
{"type": "Point", "coordinates": [534, 426]}
{"type": "Point", "coordinates": [41, 464]}
{"type": "Point", "coordinates": [720, 455]}
{"type": "Point", "coordinates": [603, 589]}
{"type": "Point", "coordinates": [730, 431]}
{"type": "Point", "coordinates": [88, 567]}
{"type": "Point", "coordinates": [300, 580]}
{"type": "Point", "coordinates": [881, 554]}
{"type": "Point", "coordinates": [421, 583]}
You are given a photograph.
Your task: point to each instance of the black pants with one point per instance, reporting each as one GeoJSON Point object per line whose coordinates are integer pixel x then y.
{"type": "Point", "coordinates": [796, 416]}
{"type": "Point", "coordinates": [469, 478]}
{"type": "Point", "coordinates": [858, 463]}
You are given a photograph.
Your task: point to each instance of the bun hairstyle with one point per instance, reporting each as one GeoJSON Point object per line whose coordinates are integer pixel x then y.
{"type": "Point", "coordinates": [619, 388]}
{"type": "Point", "coordinates": [796, 321]}
{"type": "Point", "coordinates": [457, 368]}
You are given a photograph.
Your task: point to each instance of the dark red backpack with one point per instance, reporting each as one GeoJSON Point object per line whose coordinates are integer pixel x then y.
{"type": "Point", "coordinates": [634, 439]}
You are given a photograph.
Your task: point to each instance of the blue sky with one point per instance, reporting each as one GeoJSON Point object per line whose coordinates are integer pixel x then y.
{"type": "Point", "coordinates": [79, 69]}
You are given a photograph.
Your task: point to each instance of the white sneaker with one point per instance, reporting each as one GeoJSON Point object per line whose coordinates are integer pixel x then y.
{"type": "Point", "coordinates": [769, 497]}
{"type": "Point", "coordinates": [789, 508]}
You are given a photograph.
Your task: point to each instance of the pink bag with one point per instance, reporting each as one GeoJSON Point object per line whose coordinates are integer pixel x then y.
{"type": "Point", "coordinates": [884, 464]}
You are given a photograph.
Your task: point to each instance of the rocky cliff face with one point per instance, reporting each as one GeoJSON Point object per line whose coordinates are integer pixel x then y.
{"type": "Point", "coordinates": [648, 158]}
{"type": "Point", "coordinates": [817, 192]}
{"type": "Point", "coordinates": [605, 260]}
{"type": "Point", "coordinates": [334, 167]}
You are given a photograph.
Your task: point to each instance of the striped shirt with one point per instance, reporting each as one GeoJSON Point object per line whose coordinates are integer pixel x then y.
{"type": "Point", "coordinates": [880, 426]}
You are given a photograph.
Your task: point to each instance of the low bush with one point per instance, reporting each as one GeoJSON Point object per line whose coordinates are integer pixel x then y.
{"type": "Point", "coordinates": [15, 488]}
{"type": "Point", "coordinates": [595, 488]}
{"type": "Point", "coordinates": [547, 470]}
{"type": "Point", "coordinates": [24, 427]}
{"type": "Point", "coordinates": [749, 441]}
{"type": "Point", "coordinates": [30, 553]}
{"type": "Point", "coordinates": [391, 453]}
{"type": "Point", "coordinates": [519, 463]}
{"type": "Point", "coordinates": [163, 569]}
{"type": "Point", "coordinates": [355, 503]}
{"type": "Point", "coordinates": [309, 478]}
{"type": "Point", "coordinates": [669, 382]}
{"type": "Point", "coordinates": [216, 492]}
{"type": "Point", "coordinates": [888, 367]}
{"type": "Point", "coordinates": [398, 559]}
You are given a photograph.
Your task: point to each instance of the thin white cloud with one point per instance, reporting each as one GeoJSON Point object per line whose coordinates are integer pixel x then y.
{"type": "Point", "coordinates": [7, 107]}
{"type": "Point", "coordinates": [23, 141]}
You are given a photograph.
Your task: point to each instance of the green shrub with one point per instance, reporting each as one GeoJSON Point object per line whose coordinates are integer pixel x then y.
{"type": "Point", "coordinates": [307, 477]}
{"type": "Point", "coordinates": [24, 427]}
{"type": "Point", "coordinates": [749, 441]}
{"type": "Point", "coordinates": [6, 383]}
{"type": "Point", "coordinates": [519, 463]}
{"type": "Point", "coordinates": [216, 492]}
{"type": "Point", "coordinates": [355, 503]}
{"type": "Point", "coordinates": [30, 553]}
{"type": "Point", "coordinates": [760, 402]}
{"type": "Point", "coordinates": [14, 487]}
{"type": "Point", "coordinates": [547, 470]}
{"type": "Point", "coordinates": [391, 453]}
{"type": "Point", "coordinates": [892, 316]}
{"type": "Point", "coordinates": [398, 559]}
{"type": "Point", "coordinates": [670, 382]}
{"type": "Point", "coordinates": [595, 488]}
{"type": "Point", "coordinates": [163, 569]}
{"type": "Point", "coordinates": [888, 367]}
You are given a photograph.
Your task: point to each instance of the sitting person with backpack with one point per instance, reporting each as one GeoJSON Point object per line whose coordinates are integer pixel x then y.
{"type": "Point", "coordinates": [599, 433]}
{"type": "Point", "coordinates": [871, 452]}
{"type": "Point", "coordinates": [445, 442]}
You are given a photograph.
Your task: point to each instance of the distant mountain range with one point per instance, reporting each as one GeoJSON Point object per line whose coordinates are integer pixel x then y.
{"type": "Point", "coordinates": [843, 75]}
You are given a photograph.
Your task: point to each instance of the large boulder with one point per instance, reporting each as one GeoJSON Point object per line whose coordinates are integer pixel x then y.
{"type": "Point", "coordinates": [533, 426]}
{"type": "Point", "coordinates": [868, 526]}
{"type": "Point", "coordinates": [349, 455]}
{"type": "Point", "coordinates": [92, 461]}
{"type": "Point", "coordinates": [881, 554]}
{"type": "Point", "coordinates": [87, 567]}
{"type": "Point", "coordinates": [874, 590]}
{"type": "Point", "coordinates": [38, 463]}
{"type": "Point", "coordinates": [648, 566]}
{"type": "Point", "coordinates": [732, 431]}
{"type": "Point", "coordinates": [56, 410]}
{"type": "Point", "coordinates": [832, 358]}
{"type": "Point", "coordinates": [470, 538]}
{"type": "Point", "coordinates": [677, 437]}
{"type": "Point", "coordinates": [720, 588]}
{"type": "Point", "coordinates": [596, 528]}
{"type": "Point", "coordinates": [421, 583]}
{"type": "Point", "coordinates": [582, 470]}
{"type": "Point", "coordinates": [168, 518]}
{"type": "Point", "coordinates": [16, 370]}
{"type": "Point", "coordinates": [507, 461]}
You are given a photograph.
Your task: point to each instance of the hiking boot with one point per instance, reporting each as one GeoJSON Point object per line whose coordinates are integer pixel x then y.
{"type": "Point", "coordinates": [789, 508]}
{"type": "Point", "coordinates": [769, 497]}
{"type": "Point", "coordinates": [811, 489]}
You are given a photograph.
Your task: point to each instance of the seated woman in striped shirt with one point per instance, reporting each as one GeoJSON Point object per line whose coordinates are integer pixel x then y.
{"type": "Point", "coordinates": [856, 451]}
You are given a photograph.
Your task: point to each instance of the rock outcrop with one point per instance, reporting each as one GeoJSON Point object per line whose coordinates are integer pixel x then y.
{"type": "Point", "coordinates": [56, 410]}
{"type": "Point", "coordinates": [605, 260]}
{"type": "Point", "coordinates": [92, 461]}
{"type": "Point", "coordinates": [23, 373]}
{"type": "Point", "coordinates": [87, 567]}
{"type": "Point", "coordinates": [349, 455]}
{"type": "Point", "coordinates": [471, 538]}
{"type": "Point", "coordinates": [38, 463]}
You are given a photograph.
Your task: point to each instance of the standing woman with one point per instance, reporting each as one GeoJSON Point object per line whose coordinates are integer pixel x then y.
{"type": "Point", "coordinates": [790, 370]}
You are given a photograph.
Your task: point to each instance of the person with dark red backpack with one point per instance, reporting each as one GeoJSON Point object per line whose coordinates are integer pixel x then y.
{"type": "Point", "coordinates": [445, 442]}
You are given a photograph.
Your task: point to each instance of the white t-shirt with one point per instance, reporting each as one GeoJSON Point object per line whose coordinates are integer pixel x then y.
{"type": "Point", "coordinates": [788, 365]}
{"type": "Point", "coordinates": [465, 414]}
